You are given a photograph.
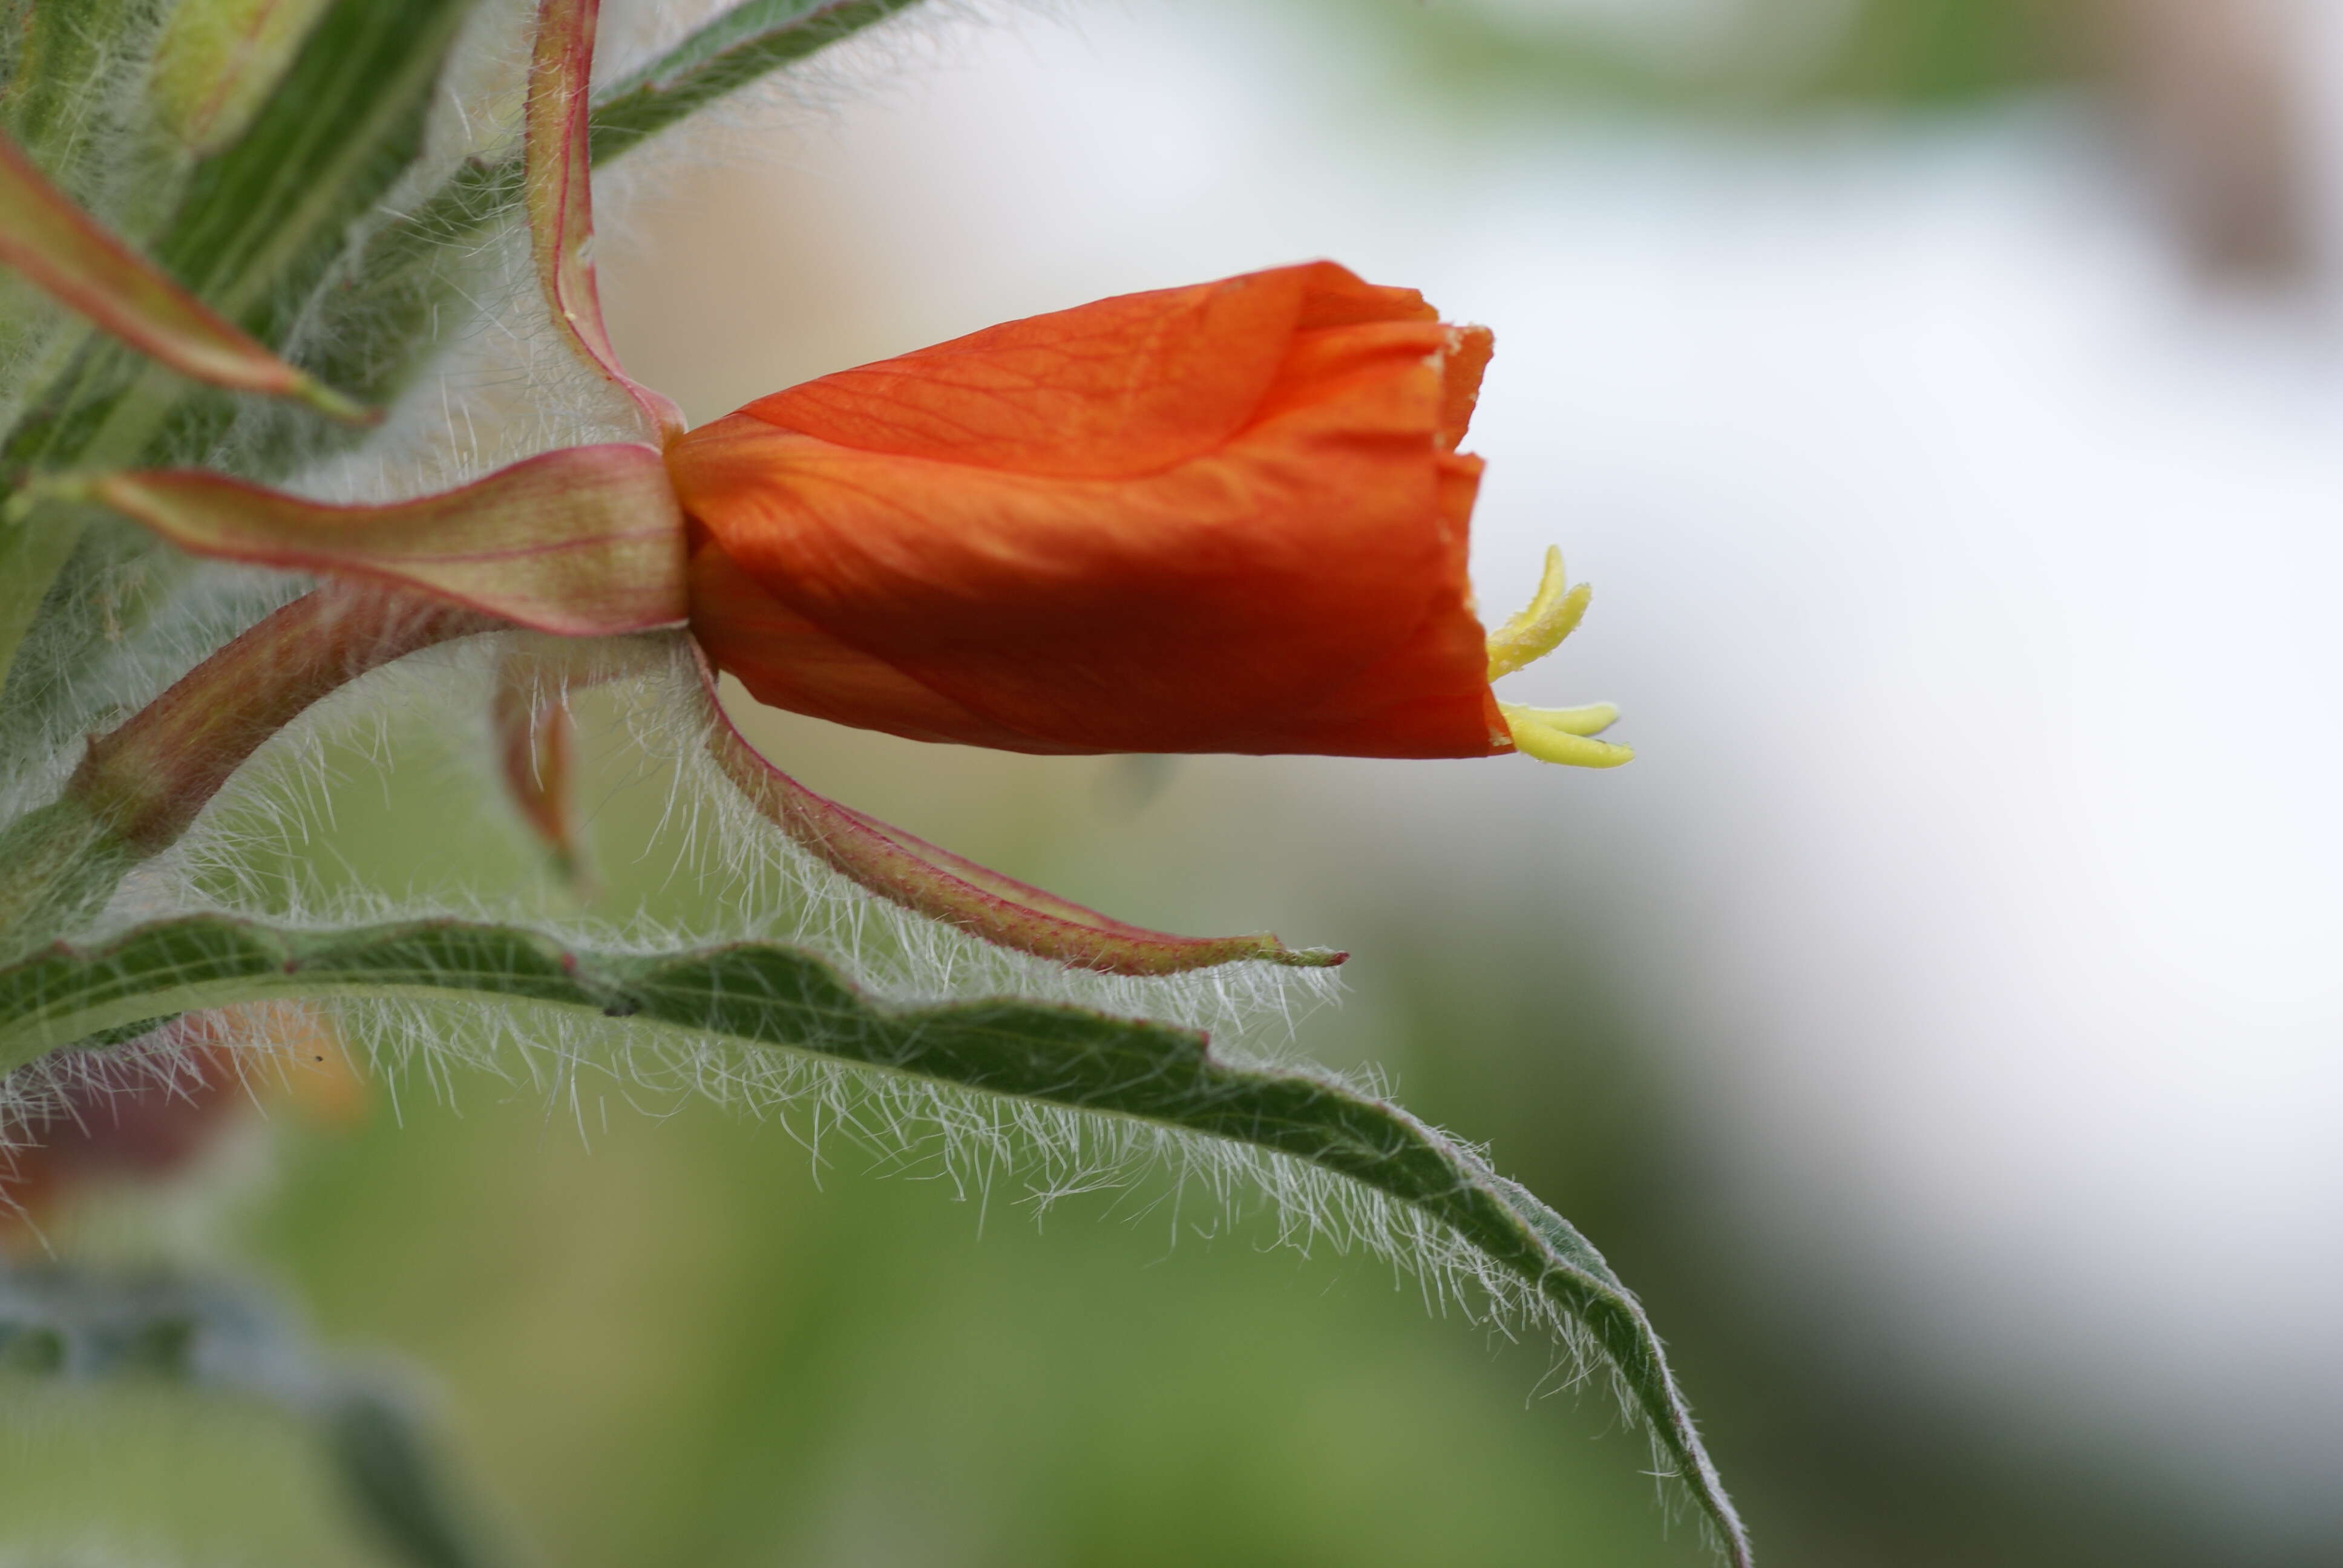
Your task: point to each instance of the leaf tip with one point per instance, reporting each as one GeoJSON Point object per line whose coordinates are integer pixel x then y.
{"type": "Point", "coordinates": [1304, 957]}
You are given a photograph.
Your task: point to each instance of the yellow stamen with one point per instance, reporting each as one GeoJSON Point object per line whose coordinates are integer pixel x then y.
{"type": "Point", "coordinates": [1553, 613]}
{"type": "Point", "coordinates": [1552, 734]}
{"type": "Point", "coordinates": [1591, 719]}
{"type": "Point", "coordinates": [1560, 735]}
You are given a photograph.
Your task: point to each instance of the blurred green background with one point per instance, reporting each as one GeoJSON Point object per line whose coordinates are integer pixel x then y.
{"type": "Point", "coordinates": [660, 1333]}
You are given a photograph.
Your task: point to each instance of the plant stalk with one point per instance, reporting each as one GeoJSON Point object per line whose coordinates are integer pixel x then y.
{"type": "Point", "coordinates": [140, 787]}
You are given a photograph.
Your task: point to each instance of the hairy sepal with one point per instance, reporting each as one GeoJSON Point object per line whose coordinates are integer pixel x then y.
{"type": "Point", "coordinates": [586, 541]}
{"type": "Point", "coordinates": [152, 777]}
{"type": "Point", "coordinates": [67, 255]}
{"type": "Point", "coordinates": [770, 997]}
{"type": "Point", "coordinates": [931, 881]}
{"type": "Point", "coordinates": [395, 288]}
{"type": "Point", "coordinates": [559, 170]}
{"type": "Point", "coordinates": [535, 751]}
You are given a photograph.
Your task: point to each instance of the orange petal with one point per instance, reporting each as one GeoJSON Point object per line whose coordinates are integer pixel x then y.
{"type": "Point", "coordinates": [1295, 584]}
{"type": "Point", "coordinates": [1124, 386]}
{"type": "Point", "coordinates": [787, 661]}
{"type": "Point", "coordinates": [1469, 350]}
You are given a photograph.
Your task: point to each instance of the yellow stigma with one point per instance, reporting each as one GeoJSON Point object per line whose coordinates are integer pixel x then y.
{"type": "Point", "coordinates": [1552, 734]}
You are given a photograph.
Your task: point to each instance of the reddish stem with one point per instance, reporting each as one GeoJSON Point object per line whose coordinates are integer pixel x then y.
{"type": "Point", "coordinates": [150, 779]}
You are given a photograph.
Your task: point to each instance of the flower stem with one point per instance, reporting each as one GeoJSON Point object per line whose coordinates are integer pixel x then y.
{"type": "Point", "coordinates": [149, 778]}
{"type": "Point", "coordinates": [140, 787]}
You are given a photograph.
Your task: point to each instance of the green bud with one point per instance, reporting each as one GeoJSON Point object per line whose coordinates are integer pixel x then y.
{"type": "Point", "coordinates": [217, 62]}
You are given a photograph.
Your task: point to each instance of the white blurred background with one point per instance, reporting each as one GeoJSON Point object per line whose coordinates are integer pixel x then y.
{"type": "Point", "coordinates": [1960, 481]}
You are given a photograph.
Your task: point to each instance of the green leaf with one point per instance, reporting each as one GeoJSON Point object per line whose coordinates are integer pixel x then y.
{"type": "Point", "coordinates": [33, 549]}
{"type": "Point", "coordinates": [86, 585]}
{"type": "Point", "coordinates": [266, 221]}
{"type": "Point", "coordinates": [258, 231]}
{"type": "Point", "coordinates": [61, 58]}
{"type": "Point", "coordinates": [750, 41]}
{"type": "Point", "coordinates": [263, 221]}
{"type": "Point", "coordinates": [218, 60]}
{"type": "Point", "coordinates": [779, 998]}
{"type": "Point", "coordinates": [401, 281]}
{"type": "Point", "coordinates": [746, 42]}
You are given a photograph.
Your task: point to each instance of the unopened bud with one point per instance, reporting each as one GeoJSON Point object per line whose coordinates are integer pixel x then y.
{"type": "Point", "coordinates": [217, 62]}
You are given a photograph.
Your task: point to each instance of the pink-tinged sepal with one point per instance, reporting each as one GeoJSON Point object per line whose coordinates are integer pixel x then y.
{"type": "Point", "coordinates": [917, 875]}
{"type": "Point", "coordinates": [536, 745]}
{"type": "Point", "coordinates": [583, 542]}
{"type": "Point", "coordinates": [71, 257]}
{"type": "Point", "coordinates": [559, 170]}
{"type": "Point", "coordinates": [148, 781]}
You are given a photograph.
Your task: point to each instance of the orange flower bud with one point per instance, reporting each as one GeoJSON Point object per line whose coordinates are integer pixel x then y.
{"type": "Point", "coordinates": [1228, 517]}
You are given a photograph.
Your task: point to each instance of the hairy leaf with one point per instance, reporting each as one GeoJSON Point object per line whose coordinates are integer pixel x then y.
{"type": "Point", "coordinates": [750, 41]}
{"type": "Point", "coordinates": [774, 997]}
{"type": "Point", "coordinates": [218, 60]}
{"type": "Point", "coordinates": [61, 59]}
{"type": "Point", "coordinates": [263, 220]}
{"type": "Point", "coordinates": [400, 281]}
